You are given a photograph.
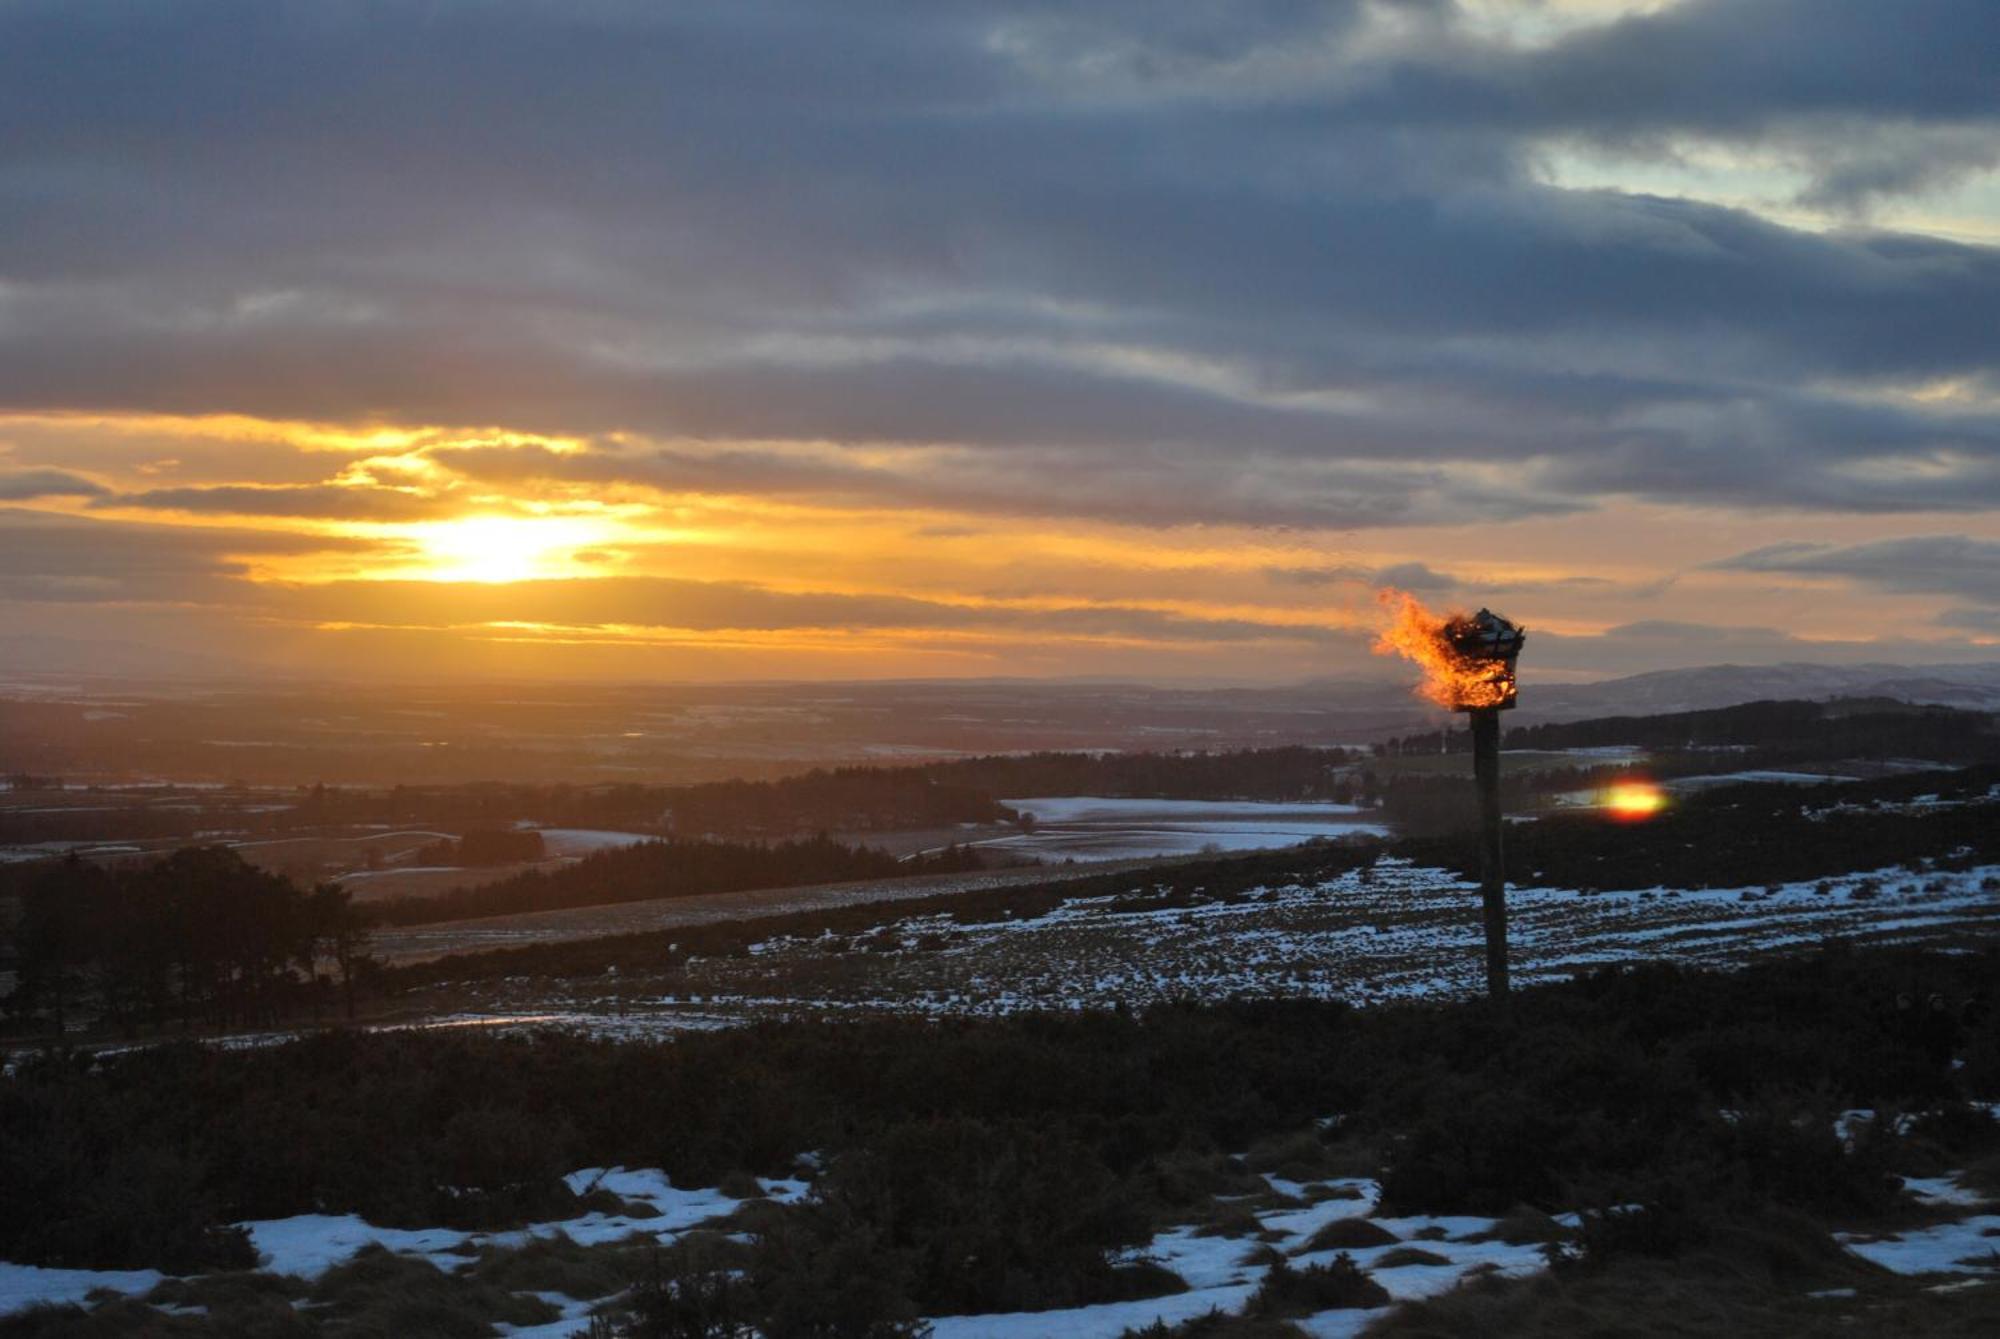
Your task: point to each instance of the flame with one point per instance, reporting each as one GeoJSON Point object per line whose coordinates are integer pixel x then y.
{"type": "Point", "coordinates": [1450, 680]}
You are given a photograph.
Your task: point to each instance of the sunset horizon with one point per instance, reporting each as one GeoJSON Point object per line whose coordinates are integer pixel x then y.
{"type": "Point", "coordinates": [999, 669]}
{"type": "Point", "coordinates": [721, 342]}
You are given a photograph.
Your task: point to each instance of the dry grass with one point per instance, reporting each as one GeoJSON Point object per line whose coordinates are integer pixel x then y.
{"type": "Point", "coordinates": [380, 1295]}
{"type": "Point", "coordinates": [1754, 1281]}
{"type": "Point", "coordinates": [1407, 1255]}
{"type": "Point", "coordinates": [1348, 1234]}
{"type": "Point", "coordinates": [1675, 1300]}
{"type": "Point", "coordinates": [1524, 1226]}
{"type": "Point", "coordinates": [558, 1265]}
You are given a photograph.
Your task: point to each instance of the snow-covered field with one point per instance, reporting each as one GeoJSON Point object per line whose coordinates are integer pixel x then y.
{"type": "Point", "coordinates": [1391, 932]}
{"type": "Point", "coordinates": [1221, 1276]}
{"type": "Point", "coordinates": [1221, 1272]}
{"type": "Point", "coordinates": [1082, 827]}
{"type": "Point", "coordinates": [308, 1245]}
{"type": "Point", "coordinates": [575, 843]}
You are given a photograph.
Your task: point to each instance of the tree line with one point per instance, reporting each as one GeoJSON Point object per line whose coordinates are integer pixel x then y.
{"type": "Point", "coordinates": [1293, 772]}
{"type": "Point", "coordinates": [200, 938]}
{"type": "Point", "coordinates": [673, 867]}
{"type": "Point", "coordinates": [1789, 730]}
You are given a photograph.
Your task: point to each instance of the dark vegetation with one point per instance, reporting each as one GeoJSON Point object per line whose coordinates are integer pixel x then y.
{"type": "Point", "coordinates": [1003, 1164]}
{"type": "Point", "coordinates": [1790, 731]}
{"type": "Point", "coordinates": [1731, 836]}
{"type": "Point", "coordinates": [970, 790]}
{"type": "Point", "coordinates": [673, 867]}
{"type": "Point", "coordinates": [1181, 884]}
{"type": "Point", "coordinates": [484, 846]}
{"type": "Point", "coordinates": [838, 799]}
{"type": "Point", "coordinates": [999, 1165]}
{"type": "Point", "coordinates": [196, 939]}
{"type": "Point", "coordinates": [1751, 737]}
{"type": "Point", "coordinates": [843, 799]}
{"type": "Point", "coordinates": [1754, 735]}
{"type": "Point", "coordinates": [1292, 773]}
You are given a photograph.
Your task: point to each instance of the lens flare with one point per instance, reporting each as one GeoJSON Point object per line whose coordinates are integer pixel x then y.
{"type": "Point", "coordinates": [1634, 801]}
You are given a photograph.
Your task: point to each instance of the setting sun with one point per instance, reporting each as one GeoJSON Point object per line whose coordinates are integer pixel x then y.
{"type": "Point", "coordinates": [496, 549]}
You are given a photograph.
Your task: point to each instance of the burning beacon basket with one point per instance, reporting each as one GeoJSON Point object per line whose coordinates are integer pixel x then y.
{"type": "Point", "coordinates": [1485, 646]}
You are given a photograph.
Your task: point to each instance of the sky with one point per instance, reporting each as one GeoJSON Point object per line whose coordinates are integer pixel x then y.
{"type": "Point", "coordinates": [770, 339]}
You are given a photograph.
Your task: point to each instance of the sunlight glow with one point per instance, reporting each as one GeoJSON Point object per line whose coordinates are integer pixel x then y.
{"type": "Point", "coordinates": [1633, 801]}
{"type": "Point", "coordinates": [494, 549]}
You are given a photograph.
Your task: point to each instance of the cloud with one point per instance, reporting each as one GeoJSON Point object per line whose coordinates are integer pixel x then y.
{"type": "Point", "coordinates": [320, 501]}
{"type": "Point", "coordinates": [630, 606]}
{"type": "Point", "coordinates": [1662, 644]}
{"type": "Point", "coordinates": [1403, 576]}
{"type": "Point", "coordinates": [1161, 484]}
{"type": "Point", "coordinates": [1289, 264]}
{"type": "Point", "coordinates": [27, 485]}
{"type": "Point", "coordinates": [73, 560]}
{"type": "Point", "coordinates": [1955, 565]}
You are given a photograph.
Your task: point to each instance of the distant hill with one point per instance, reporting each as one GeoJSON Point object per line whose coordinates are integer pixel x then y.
{"type": "Point", "coordinates": [90, 657]}
{"type": "Point", "coordinates": [1971, 687]}
{"type": "Point", "coordinates": [1789, 731]}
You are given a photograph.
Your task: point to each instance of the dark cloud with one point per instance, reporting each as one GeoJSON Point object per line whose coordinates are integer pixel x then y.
{"type": "Point", "coordinates": [1955, 565]}
{"type": "Point", "coordinates": [1215, 262]}
{"type": "Point", "coordinates": [1403, 576]}
{"type": "Point", "coordinates": [1161, 485]}
{"type": "Point", "coordinates": [1414, 576]}
{"type": "Point", "coordinates": [26, 485]}
{"type": "Point", "coordinates": [324, 501]}
{"type": "Point", "coordinates": [66, 559]}
{"type": "Point", "coordinates": [1648, 645]}
{"type": "Point", "coordinates": [667, 603]}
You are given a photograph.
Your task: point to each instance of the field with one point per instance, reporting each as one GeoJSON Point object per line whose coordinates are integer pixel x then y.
{"type": "Point", "coordinates": [424, 942]}
{"type": "Point", "coordinates": [1384, 931]}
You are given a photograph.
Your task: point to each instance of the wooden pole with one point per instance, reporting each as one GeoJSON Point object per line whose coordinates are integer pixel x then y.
{"type": "Point", "coordinates": [1492, 870]}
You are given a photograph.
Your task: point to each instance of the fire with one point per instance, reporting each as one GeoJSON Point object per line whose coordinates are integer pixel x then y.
{"type": "Point", "coordinates": [1452, 679]}
{"type": "Point", "coordinates": [1633, 801]}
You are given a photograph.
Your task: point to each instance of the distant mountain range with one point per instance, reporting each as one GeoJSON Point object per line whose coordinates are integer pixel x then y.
{"type": "Point", "coordinates": [1975, 687]}
{"type": "Point", "coordinates": [775, 725]}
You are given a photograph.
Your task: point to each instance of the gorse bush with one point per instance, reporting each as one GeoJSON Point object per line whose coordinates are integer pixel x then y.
{"type": "Point", "coordinates": [1294, 1291]}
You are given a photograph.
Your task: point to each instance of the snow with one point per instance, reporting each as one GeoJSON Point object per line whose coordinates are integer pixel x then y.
{"type": "Point", "coordinates": [1099, 809]}
{"type": "Point", "coordinates": [566, 843]}
{"type": "Point", "coordinates": [1760, 776]}
{"type": "Point", "coordinates": [1341, 1324]}
{"type": "Point", "coordinates": [1943, 1190]}
{"type": "Point", "coordinates": [1944, 1249]}
{"type": "Point", "coordinates": [23, 1286]}
{"type": "Point", "coordinates": [1970, 1244]}
{"type": "Point", "coordinates": [308, 1245]}
{"type": "Point", "coordinates": [1105, 1321]}
{"type": "Point", "coordinates": [574, 1319]}
{"type": "Point", "coordinates": [1086, 827]}
{"type": "Point", "coordinates": [1217, 1278]}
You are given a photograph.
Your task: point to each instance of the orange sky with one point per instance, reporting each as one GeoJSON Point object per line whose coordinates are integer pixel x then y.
{"type": "Point", "coordinates": [406, 564]}
{"type": "Point", "coordinates": [715, 340]}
